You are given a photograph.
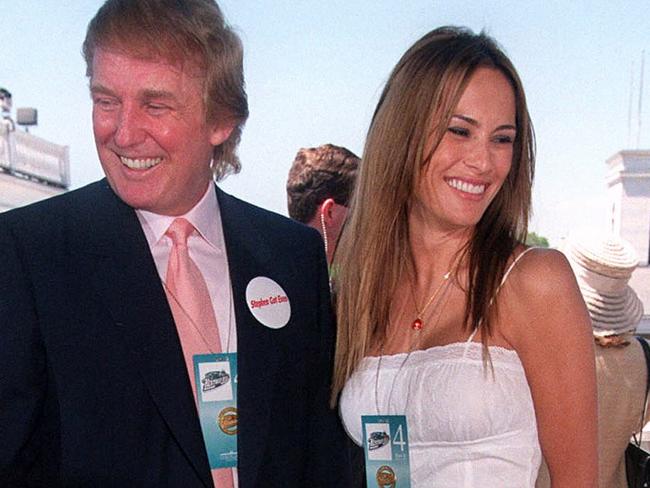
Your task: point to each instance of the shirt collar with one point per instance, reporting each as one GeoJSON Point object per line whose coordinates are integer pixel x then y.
{"type": "Point", "coordinates": [204, 216]}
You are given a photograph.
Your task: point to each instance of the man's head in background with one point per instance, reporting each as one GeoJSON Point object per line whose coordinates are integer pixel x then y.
{"type": "Point", "coordinates": [320, 185]}
{"type": "Point", "coordinates": [5, 102]}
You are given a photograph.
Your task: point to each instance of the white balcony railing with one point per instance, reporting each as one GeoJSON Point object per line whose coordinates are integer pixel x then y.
{"type": "Point", "coordinates": [35, 158]}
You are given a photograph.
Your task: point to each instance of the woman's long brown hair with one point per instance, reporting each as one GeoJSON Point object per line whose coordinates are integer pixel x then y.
{"type": "Point", "coordinates": [415, 107]}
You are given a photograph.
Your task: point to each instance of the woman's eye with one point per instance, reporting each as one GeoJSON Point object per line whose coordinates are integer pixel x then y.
{"type": "Point", "coordinates": [459, 131]}
{"type": "Point", "coordinates": [504, 139]}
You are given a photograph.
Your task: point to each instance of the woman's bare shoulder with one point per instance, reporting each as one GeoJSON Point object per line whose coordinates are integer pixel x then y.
{"type": "Point", "coordinates": [541, 296]}
{"type": "Point", "coordinates": [541, 274]}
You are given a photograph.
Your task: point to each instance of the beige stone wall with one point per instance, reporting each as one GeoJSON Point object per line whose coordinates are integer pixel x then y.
{"type": "Point", "coordinates": [628, 182]}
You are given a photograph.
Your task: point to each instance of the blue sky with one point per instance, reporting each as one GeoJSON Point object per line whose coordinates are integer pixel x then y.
{"type": "Point", "coordinates": [314, 70]}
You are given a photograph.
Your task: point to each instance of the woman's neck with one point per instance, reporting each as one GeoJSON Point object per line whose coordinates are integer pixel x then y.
{"type": "Point", "coordinates": [435, 251]}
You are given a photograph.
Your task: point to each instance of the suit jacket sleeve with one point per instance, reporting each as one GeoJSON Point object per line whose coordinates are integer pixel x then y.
{"type": "Point", "coordinates": [329, 463]}
{"type": "Point", "coordinates": [23, 374]}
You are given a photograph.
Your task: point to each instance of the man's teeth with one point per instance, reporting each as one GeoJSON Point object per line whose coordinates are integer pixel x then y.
{"type": "Point", "coordinates": [140, 163]}
{"type": "Point", "coordinates": [466, 187]}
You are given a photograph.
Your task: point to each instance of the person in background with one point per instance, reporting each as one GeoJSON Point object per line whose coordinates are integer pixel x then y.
{"type": "Point", "coordinates": [6, 122]}
{"type": "Point", "coordinates": [5, 102]}
{"type": "Point", "coordinates": [154, 330]}
{"type": "Point", "coordinates": [479, 347]}
{"type": "Point", "coordinates": [603, 267]}
{"type": "Point", "coordinates": [319, 187]}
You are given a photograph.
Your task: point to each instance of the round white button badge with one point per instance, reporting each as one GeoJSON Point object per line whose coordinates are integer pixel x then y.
{"type": "Point", "coordinates": [268, 302]}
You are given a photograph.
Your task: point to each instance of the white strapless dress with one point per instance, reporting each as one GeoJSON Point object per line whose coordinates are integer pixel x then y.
{"type": "Point", "coordinates": [468, 426]}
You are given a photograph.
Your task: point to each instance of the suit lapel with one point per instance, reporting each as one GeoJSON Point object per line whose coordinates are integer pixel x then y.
{"type": "Point", "coordinates": [127, 280]}
{"type": "Point", "coordinates": [248, 257]}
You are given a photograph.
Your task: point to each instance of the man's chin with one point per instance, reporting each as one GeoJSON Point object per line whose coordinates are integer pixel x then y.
{"type": "Point", "coordinates": [137, 198]}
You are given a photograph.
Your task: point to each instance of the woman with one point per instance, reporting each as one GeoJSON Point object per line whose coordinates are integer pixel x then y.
{"type": "Point", "coordinates": [603, 267]}
{"type": "Point", "coordinates": [442, 317]}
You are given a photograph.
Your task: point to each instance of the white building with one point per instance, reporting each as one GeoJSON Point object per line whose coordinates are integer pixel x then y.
{"type": "Point", "coordinates": [31, 168]}
{"type": "Point", "coordinates": [628, 187]}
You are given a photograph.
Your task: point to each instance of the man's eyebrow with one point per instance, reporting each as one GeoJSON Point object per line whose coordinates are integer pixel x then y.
{"type": "Point", "coordinates": [150, 94]}
{"type": "Point", "coordinates": [101, 89]}
{"type": "Point", "coordinates": [473, 122]}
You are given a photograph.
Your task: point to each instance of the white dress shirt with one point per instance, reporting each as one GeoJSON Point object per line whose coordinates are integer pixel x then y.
{"type": "Point", "coordinates": [208, 252]}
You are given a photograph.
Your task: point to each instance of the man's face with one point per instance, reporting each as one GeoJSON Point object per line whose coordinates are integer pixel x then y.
{"type": "Point", "coordinates": [152, 138]}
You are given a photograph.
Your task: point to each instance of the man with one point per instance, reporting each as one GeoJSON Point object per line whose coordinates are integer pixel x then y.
{"type": "Point", "coordinates": [6, 124]}
{"type": "Point", "coordinates": [150, 322]}
{"type": "Point", "coordinates": [5, 102]}
{"type": "Point", "coordinates": [319, 187]}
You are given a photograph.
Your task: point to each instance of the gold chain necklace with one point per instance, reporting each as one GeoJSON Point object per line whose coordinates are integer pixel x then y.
{"type": "Point", "coordinates": [417, 324]}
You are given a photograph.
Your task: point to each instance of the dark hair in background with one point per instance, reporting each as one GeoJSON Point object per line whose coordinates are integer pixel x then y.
{"type": "Point", "coordinates": [319, 173]}
{"type": "Point", "coordinates": [180, 31]}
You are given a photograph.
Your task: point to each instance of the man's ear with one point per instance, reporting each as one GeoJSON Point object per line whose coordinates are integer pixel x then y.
{"type": "Point", "coordinates": [221, 132]}
{"type": "Point", "coordinates": [326, 209]}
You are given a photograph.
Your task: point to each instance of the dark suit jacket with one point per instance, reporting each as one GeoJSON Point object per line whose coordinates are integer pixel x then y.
{"type": "Point", "coordinates": [93, 386]}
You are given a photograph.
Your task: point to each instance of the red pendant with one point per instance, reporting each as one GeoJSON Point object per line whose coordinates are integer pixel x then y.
{"type": "Point", "coordinates": [416, 325]}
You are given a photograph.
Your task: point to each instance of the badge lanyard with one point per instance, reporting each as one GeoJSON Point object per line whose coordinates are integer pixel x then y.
{"type": "Point", "coordinates": [414, 345]}
{"type": "Point", "coordinates": [385, 437]}
{"type": "Point", "coordinates": [216, 380]}
{"type": "Point", "coordinates": [386, 451]}
{"type": "Point", "coordinates": [385, 441]}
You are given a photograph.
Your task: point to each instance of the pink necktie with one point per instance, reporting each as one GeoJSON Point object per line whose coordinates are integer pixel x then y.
{"type": "Point", "coordinates": [193, 313]}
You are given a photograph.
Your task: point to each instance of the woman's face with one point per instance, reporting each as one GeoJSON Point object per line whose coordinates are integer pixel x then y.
{"type": "Point", "coordinates": [473, 159]}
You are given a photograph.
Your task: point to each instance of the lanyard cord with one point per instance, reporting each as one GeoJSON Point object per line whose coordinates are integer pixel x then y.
{"type": "Point", "coordinates": [442, 300]}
